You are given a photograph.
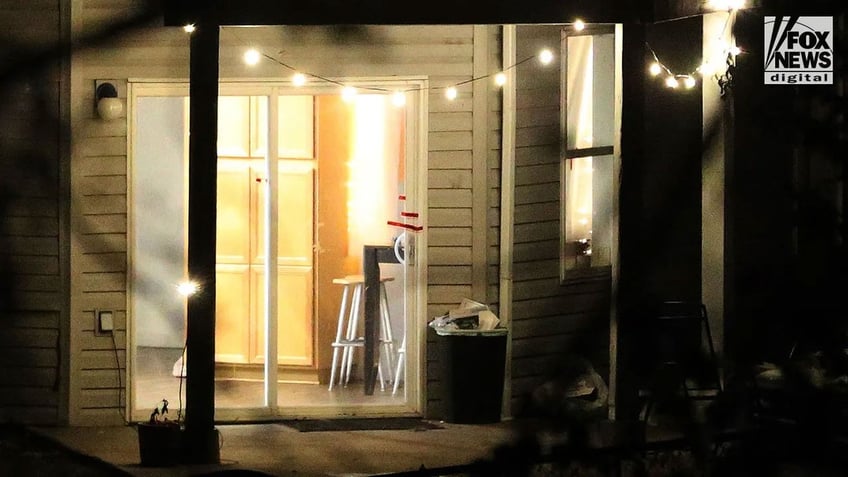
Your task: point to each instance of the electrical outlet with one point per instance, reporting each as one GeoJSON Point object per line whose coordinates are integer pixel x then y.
{"type": "Point", "coordinates": [105, 321]}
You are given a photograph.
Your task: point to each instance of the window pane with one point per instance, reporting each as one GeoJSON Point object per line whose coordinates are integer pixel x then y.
{"type": "Point", "coordinates": [579, 93]}
{"type": "Point", "coordinates": [590, 95]}
{"type": "Point", "coordinates": [587, 222]}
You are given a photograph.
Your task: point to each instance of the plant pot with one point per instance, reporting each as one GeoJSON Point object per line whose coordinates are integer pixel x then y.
{"type": "Point", "coordinates": [160, 444]}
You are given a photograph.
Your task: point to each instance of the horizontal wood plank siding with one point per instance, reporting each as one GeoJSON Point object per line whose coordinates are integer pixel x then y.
{"type": "Point", "coordinates": [443, 54]}
{"type": "Point", "coordinates": [551, 320]}
{"type": "Point", "coordinates": [31, 282]}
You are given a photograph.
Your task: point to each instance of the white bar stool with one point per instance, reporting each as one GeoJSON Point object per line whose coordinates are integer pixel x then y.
{"type": "Point", "coordinates": [346, 336]}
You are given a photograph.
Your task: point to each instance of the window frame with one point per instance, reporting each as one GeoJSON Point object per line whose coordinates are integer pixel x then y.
{"type": "Point", "coordinates": [610, 152]}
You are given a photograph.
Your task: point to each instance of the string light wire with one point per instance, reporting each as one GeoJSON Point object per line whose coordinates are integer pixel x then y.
{"type": "Point", "coordinates": [672, 78]}
{"type": "Point", "coordinates": [378, 89]}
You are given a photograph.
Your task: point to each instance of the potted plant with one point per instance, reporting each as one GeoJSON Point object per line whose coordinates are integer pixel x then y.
{"type": "Point", "coordinates": [160, 439]}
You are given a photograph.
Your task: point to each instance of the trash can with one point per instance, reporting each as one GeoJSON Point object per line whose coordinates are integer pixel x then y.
{"type": "Point", "coordinates": [472, 365]}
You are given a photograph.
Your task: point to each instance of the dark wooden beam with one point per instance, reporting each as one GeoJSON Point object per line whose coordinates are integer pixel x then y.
{"type": "Point", "coordinates": [372, 257]}
{"type": "Point", "coordinates": [634, 58]}
{"type": "Point", "coordinates": [201, 442]}
{"type": "Point", "coordinates": [392, 12]}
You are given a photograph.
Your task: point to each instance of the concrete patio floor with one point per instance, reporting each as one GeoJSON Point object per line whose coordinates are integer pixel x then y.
{"type": "Point", "coordinates": [280, 450]}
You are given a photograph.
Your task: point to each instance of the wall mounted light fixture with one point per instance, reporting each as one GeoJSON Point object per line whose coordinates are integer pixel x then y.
{"type": "Point", "coordinates": [108, 105]}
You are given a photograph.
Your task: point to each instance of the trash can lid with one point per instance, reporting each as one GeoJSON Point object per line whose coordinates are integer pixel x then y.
{"type": "Point", "coordinates": [494, 332]}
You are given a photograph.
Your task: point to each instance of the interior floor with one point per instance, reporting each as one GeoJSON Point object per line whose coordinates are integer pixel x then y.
{"type": "Point", "coordinates": [154, 381]}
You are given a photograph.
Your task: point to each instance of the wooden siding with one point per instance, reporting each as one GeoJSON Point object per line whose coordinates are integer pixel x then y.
{"type": "Point", "coordinates": [99, 206]}
{"type": "Point", "coordinates": [551, 320]}
{"type": "Point", "coordinates": [461, 184]}
{"type": "Point", "coordinates": [32, 282]}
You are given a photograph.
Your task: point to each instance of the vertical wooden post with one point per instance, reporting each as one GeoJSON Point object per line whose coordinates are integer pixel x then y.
{"type": "Point", "coordinates": [201, 437]}
{"type": "Point", "coordinates": [632, 154]}
{"type": "Point", "coordinates": [371, 272]}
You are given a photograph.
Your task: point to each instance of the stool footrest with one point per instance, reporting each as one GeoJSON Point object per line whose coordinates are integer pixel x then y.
{"type": "Point", "coordinates": [356, 342]}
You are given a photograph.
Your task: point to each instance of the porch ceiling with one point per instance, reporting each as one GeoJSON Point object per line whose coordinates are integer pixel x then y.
{"type": "Point", "coordinates": [393, 12]}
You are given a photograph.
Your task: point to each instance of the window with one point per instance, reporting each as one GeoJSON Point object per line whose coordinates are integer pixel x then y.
{"type": "Point", "coordinates": [588, 166]}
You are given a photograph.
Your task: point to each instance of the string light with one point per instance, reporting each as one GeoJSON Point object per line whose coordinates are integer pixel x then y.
{"type": "Point", "coordinates": [579, 25]}
{"type": "Point", "coordinates": [546, 56]}
{"type": "Point", "coordinates": [189, 28]}
{"type": "Point", "coordinates": [718, 5]}
{"type": "Point", "coordinates": [252, 57]}
{"type": "Point", "coordinates": [655, 69]}
{"type": "Point", "coordinates": [707, 67]}
{"type": "Point", "coordinates": [348, 93]}
{"type": "Point", "coordinates": [399, 99]}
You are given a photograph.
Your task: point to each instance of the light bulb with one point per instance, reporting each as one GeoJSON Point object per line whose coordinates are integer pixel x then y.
{"type": "Point", "coordinates": [689, 82]}
{"type": "Point", "coordinates": [655, 69]}
{"type": "Point", "coordinates": [252, 57]}
{"type": "Point", "coordinates": [188, 288]}
{"type": "Point", "coordinates": [734, 50]}
{"type": "Point", "coordinates": [399, 99]}
{"type": "Point", "coordinates": [706, 68]}
{"type": "Point", "coordinates": [672, 82]}
{"type": "Point", "coordinates": [298, 79]}
{"type": "Point", "coordinates": [450, 93]}
{"type": "Point", "coordinates": [546, 56]}
{"type": "Point", "coordinates": [348, 92]}
{"type": "Point", "coordinates": [189, 28]}
{"type": "Point", "coordinates": [500, 79]}
{"type": "Point", "coordinates": [725, 4]}
{"type": "Point", "coordinates": [579, 25]}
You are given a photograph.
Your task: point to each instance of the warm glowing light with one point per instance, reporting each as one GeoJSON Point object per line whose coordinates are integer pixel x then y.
{"type": "Point", "coordinates": [500, 79]}
{"type": "Point", "coordinates": [348, 93]}
{"type": "Point", "coordinates": [189, 28]}
{"type": "Point", "coordinates": [252, 57]}
{"type": "Point", "coordinates": [399, 99]}
{"type": "Point", "coordinates": [546, 56]}
{"type": "Point", "coordinates": [725, 4]}
{"type": "Point", "coordinates": [579, 25]}
{"type": "Point", "coordinates": [374, 135]}
{"type": "Point", "coordinates": [689, 82]}
{"type": "Point", "coordinates": [450, 93]}
{"type": "Point", "coordinates": [187, 288]}
{"type": "Point", "coordinates": [706, 68]}
{"type": "Point", "coordinates": [298, 79]}
{"type": "Point", "coordinates": [672, 82]}
{"type": "Point", "coordinates": [655, 69]}
{"type": "Point", "coordinates": [734, 50]}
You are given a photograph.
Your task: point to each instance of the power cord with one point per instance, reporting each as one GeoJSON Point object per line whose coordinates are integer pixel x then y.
{"type": "Point", "coordinates": [182, 377]}
{"type": "Point", "coordinates": [120, 381]}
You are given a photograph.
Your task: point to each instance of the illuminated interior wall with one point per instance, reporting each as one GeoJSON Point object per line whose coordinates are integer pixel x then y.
{"type": "Point", "coordinates": [373, 172]}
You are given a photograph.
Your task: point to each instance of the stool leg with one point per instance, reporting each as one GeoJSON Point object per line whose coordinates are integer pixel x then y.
{"type": "Point", "coordinates": [352, 326]}
{"type": "Point", "coordinates": [380, 375]}
{"type": "Point", "coordinates": [387, 340]}
{"type": "Point", "coordinates": [401, 354]}
{"type": "Point", "coordinates": [339, 329]}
